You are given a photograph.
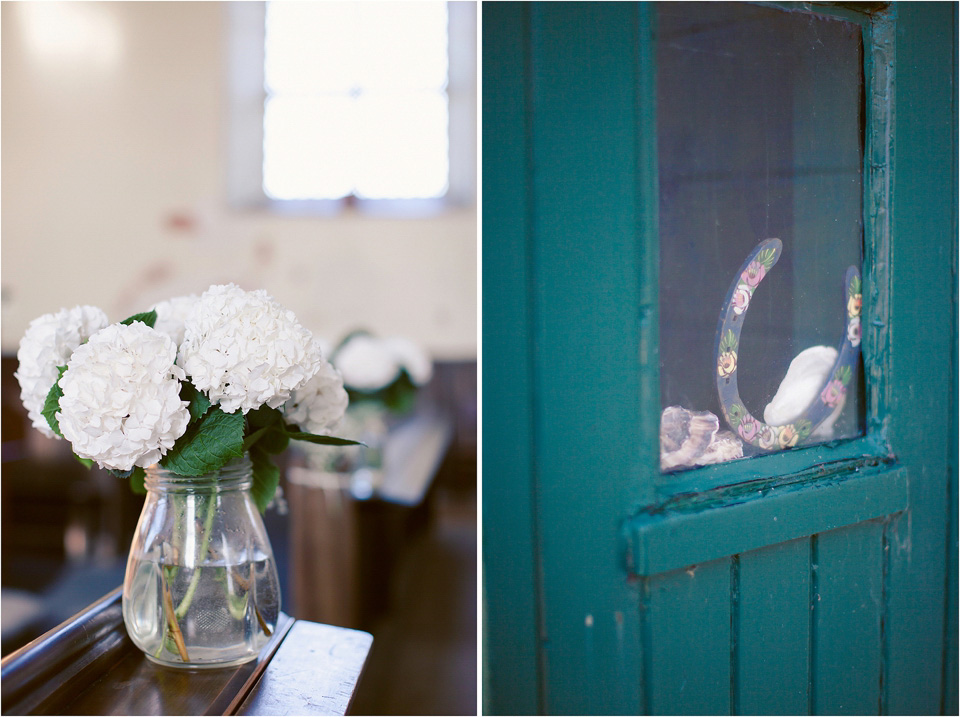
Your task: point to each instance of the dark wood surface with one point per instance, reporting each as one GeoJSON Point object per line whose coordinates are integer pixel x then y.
{"type": "Point", "coordinates": [88, 665]}
{"type": "Point", "coordinates": [343, 548]}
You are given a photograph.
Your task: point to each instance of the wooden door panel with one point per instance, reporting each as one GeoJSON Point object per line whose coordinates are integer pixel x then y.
{"type": "Point", "coordinates": [921, 649]}
{"type": "Point", "coordinates": [847, 609]}
{"type": "Point", "coordinates": [773, 619]}
{"type": "Point", "coordinates": [917, 603]}
{"type": "Point", "coordinates": [771, 631]}
{"type": "Point", "coordinates": [688, 645]}
{"type": "Point", "coordinates": [584, 329]}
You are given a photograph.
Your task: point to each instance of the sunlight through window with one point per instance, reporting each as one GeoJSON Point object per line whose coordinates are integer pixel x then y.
{"type": "Point", "coordinates": [357, 100]}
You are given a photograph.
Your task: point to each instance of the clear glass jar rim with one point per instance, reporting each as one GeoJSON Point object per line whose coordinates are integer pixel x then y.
{"type": "Point", "coordinates": [237, 474]}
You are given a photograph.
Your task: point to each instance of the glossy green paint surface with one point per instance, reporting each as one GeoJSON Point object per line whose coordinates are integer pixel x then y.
{"type": "Point", "coordinates": [750, 519]}
{"type": "Point", "coordinates": [922, 299]}
{"type": "Point", "coordinates": [690, 659]}
{"type": "Point", "coordinates": [611, 589]}
{"type": "Point", "coordinates": [509, 449]}
{"type": "Point", "coordinates": [847, 612]}
{"type": "Point", "coordinates": [585, 331]}
{"type": "Point", "coordinates": [773, 625]}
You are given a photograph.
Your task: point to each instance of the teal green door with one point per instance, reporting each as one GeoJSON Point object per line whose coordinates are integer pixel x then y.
{"type": "Point", "coordinates": [818, 580]}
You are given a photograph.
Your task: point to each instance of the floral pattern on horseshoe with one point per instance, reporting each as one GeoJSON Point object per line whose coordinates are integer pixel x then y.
{"type": "Point", "coordinates": [752, 430]}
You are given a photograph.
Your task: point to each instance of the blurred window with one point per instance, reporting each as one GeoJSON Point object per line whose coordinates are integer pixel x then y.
{"type": "Point", "coordinates": [352, 104]}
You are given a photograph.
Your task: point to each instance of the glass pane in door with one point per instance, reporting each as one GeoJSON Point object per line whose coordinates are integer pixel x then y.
{"type": "Point", "coordinates": [760, 116]}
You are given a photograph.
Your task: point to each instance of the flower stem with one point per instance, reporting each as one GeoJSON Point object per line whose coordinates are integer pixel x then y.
{"type": "Point", "coordinates": [263, 625]}
{"type": "Point", "coordinates": [195, 578]}
{"type": "Point", "coordinates": [172, 623]}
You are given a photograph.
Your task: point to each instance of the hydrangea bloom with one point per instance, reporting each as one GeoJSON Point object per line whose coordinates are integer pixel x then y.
{"type": "Point", "coordinates": [48, 342]}
{"type": "Point", "coordinates": [369, 363]}
{"type": "Point", "coordinates": [245, 350]}
{"type": "Point", "coordinates": [412, 358]}
{"type": "Point", "coordinates": [172, 313]}
{"type": "Point", "coordinates": [121, 402]}
{"type": "Point", "coordinates": [319, 405]}
{"type": "Point", "coordinates": [366, 363]}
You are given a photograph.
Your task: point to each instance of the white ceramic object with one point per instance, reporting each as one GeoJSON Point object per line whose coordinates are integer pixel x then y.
{"type": "Point", "coordinates": [806, 376]}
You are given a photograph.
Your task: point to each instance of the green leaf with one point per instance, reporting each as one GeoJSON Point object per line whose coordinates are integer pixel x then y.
{"type": "Point", "coordinates": [254, 437]}
{"type": "Point", "coordinates": [274, 441]}
{"type": "Point", "coordinates": [736, 414]}
{"type": "Point", "coordinates": [401, 396]}
{"type": "Point", "coordinates": [84, 461]}
{"type": "Point", "coordinates": [270, 435]}
{"type": "Point", "coordinates": [266, 478]}
{"type": "Point", "coordinates": [855, 285]}
{"type": "Point", "coordinates": [765, 257]}
{"type": "Point", "coordinates": [199, 403]}
{"type": "Point", "coordinates": [52, 404]}
{"type": "Point", "coordinates": [844, 375]}
{"type": "Point", "coordinates": [321, 440]}
{"type": "Point", "coordinates": [147, 317]}
{"type": "Point", "coordinates": [728, 342]}
{"type": "Point", "coordinates": [137, 477]}
{"type": "Point", "coordinates": [264, 416]}
{"type": "Point", "coordinates": [207, 445]}
{"type": "Point", "coordinates": [271, 439]}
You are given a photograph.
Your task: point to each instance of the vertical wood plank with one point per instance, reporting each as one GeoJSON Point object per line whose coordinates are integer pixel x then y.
{"type": "Point", "coordinates": [951, 672]}
{"type": "Point", "coordinates": [951, 675]}
{"type": "Point", "coordinates": [586, 288]}
{"type": "Point", "coordinates": [774, 623]}
{"type": "Point", "coordinates": [511, 661]}
{"type": "Point", "coordinates": [924, 229]}
{"type": "Point", "coordinates": [688, 612]}
{"type": "Point", "coordinates": [325, 553]}
{"type": "Point", "coordinates": [847, 611]}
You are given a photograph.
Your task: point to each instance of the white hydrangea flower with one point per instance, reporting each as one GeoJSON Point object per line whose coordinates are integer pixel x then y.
{"type": "Point", "coordinates": [318, 406]}
{"type": "Point", "coordinates": [48, 342]}
{"type": "Point", "coordinates": [245, 350]}
{"type": "Point", "coordinates": [412, 358]}
{"type": "Point", "coordinates": [366, 363]}
{"type": "Point", "coordinates": [121, 402]}
{"type": "Point", "coordinates": [369, 363]}
{"type": "Point", "coordinates": [171, 315]}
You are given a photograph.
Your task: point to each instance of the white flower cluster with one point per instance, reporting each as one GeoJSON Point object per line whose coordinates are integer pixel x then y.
{"type": "Point", "coordinates": [48, 343]}
{"type": "Point", "coordinates": [121, 402]}
{"type": "Point", "coordinates": [171, 315]}
{"type": "Point", "coordinates": [413, 359]}
{"type": "Point", "coordinates": [369, 364]}
{"type": "Point", "coordinates": [318, 405]}
{"type": "Point", "coordinates": [245, 350]}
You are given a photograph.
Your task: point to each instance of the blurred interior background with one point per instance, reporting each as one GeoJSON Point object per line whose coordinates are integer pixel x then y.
{"type": "Point", "coordinates": [324, 152]}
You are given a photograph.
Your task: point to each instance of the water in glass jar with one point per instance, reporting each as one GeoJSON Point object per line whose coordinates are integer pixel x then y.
{"type": "Point", "coordinates": [212, 615]}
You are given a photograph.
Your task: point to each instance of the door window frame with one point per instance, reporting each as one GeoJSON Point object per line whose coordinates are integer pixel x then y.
{"type": "Point", "coordinates": [671, 501]}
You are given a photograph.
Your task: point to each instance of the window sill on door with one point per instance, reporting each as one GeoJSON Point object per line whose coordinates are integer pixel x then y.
{"type": "Point", "coordinates": [697, 528]}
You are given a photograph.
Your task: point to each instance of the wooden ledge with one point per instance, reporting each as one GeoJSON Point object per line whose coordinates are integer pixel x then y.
{"type": "Point", "coordinates": [673, 539]}
{"type": "Point", "coordinates": [88, 665]}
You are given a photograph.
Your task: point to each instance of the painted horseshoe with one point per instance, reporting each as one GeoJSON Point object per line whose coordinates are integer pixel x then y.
{"type": "Point", "coordinates": [750, 429]}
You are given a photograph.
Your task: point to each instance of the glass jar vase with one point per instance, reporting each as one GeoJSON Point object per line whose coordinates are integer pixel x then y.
{"type": "Point", "coordinates": [201, 586]}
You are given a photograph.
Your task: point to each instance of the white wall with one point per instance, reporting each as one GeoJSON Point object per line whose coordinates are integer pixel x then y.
{"type": "Point", "coordinates": [113, 189]}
